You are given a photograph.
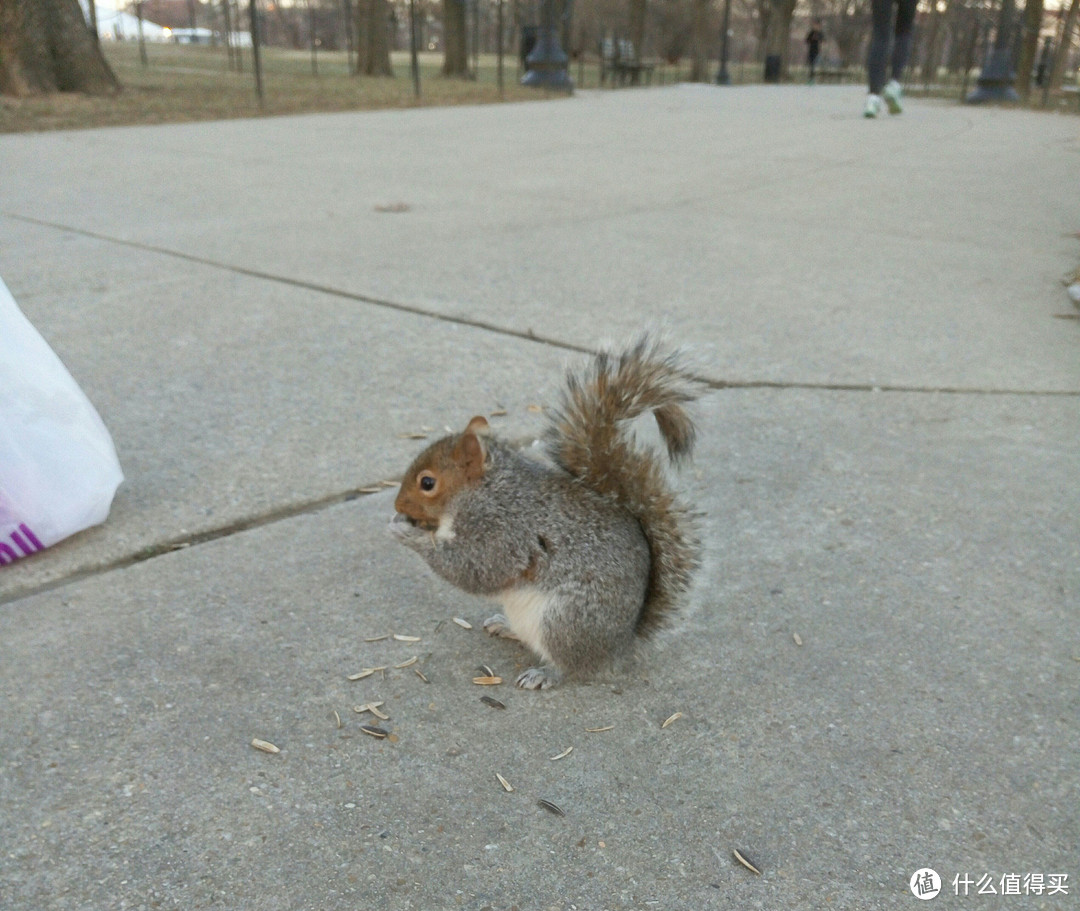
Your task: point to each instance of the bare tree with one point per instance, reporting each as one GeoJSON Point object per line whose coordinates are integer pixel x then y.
{"type": "Point", "coordinates": [777, 32]}
{"type": "Point", "coordinates": [45, 46]}
{"type": "Point", "coordinates": [1029, 47]}
{"type": "Point", "coordinates": [932, 44]}
{"type": "Point", "coordinates": [637, 26]}
{"type": "Point", "coordinates": [1057, 71]}
{"type": "Point", "coordinates": [699, 40]}
{"type": "Point", "coordinates": [373, 47]}
{"type": "Point", "coordinates": [850, 24]}
{"type": "Point", "coordinates": [455, 54]}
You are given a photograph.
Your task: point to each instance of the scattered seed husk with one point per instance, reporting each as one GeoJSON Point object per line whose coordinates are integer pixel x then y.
{"type": "Point", "coordinates": [377, 638]}
{"type": "Point", "coordinates": [741, 858]}
{"type": "Point", "coordinates": [797, 638]}
{"type": "Point", "coordinates": [402, 638]}
{"type": "Point", "coordinates": [374, 488]}
{"type": "Point", "coordinates": [551, 807]}
{"type": "Point", "coordinates": [265, 745]}
{"type": "Point", "coordinates": [494, 703]}
{"type": "Point", "coordinates": [464, 624]}
{"type": "Point", "coordinates": [671, 719]}
{"type": "Point", "coordinates": [535, 409]}
{"type": "Point", "coordinates": [389, 482]}
{"type": "Point", "coordinates": [392, 207]}
{"type": "Point", "coordinates": [337, 718]}
{"type": "Point", "coordinates": [366, 672]}
{"type": "Point", "coordinates": [373, 708]}
{"type": "Point", "coordinates": [420, 674]}
{"type": "Point", "coordinates": [408, 663]}
{"type": "Point", "coordinates": [506, 784]}
{"type": "Point", "coordinates": [374, 731]}
{"type": "Point", "coordinates": [563, 754]}
{"type": "Point", "coordinates": [498, 413]}
{"type": "Point", "coordinates": [609, 727]}
{"type": "Point", "coordinates": [486, 671]}
{"type": "Point", "coordinates": [412, 436]}
{"type": "Point", "coordinates": [487, 681]}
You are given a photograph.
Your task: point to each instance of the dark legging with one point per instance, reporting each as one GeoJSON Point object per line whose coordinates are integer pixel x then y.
{"type": "Point", "coordinates": [882, 12]}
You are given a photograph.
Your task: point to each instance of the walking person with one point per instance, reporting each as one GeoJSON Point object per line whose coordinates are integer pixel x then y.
{"type": "Point", "coordinates": [814, 37]}
{"type": "Point", "coordinates": [900, 30]}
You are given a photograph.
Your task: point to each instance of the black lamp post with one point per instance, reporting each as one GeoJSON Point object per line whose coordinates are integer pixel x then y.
{"type": "Point", "coordinates": [547, 63]}
{"type": "Point", "coordinates": [722, 77]}
{"type": "Point", "coordinates": [997, 77]}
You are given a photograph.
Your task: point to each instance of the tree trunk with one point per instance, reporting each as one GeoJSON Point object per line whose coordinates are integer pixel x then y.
{"type": "Point", "coordinates": [455, 56]}
{"type": "Point", "coordinates": [699, 41]}
{"type": "Point", "coordinates": [45, 46]}
{"type": "Point", "coordinates": [850, 25]}
{"type": "Point", "coordinates": [289, 26]}
{"type": "Point", "coordinates": [1029, 47]}
{"type": "Point", "coordinates": [637, 27]}
{"type": "Point", "coordinates": [1057, 72]}
{"type": "Point", "coordinates": [778, 31]}
{"type": "Point", "coordinates": [374, 45]}
{"type": "Point", "coordinates": [931, 57]}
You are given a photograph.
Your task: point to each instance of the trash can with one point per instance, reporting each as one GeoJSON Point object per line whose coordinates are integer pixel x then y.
{"type": "Point", "coordinates": [772, 68]}
{"type": "Point", "coordinates": [529, 34]}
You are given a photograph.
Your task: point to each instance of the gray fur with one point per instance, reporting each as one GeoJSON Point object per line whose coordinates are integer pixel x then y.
{"type": "Point", "coordinates": [535, 525]}
{"type": "Point", "coordinates": [592, 550]}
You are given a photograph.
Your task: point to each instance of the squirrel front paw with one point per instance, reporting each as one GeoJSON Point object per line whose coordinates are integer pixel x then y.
{"type": "Point", "coordinates": [539, 678]}
{"type": "Point", "coordinates": [499, 626]}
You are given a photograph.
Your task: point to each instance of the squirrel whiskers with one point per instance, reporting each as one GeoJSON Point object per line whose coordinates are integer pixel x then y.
{"type": "Point", "coordinates": [584, 553]}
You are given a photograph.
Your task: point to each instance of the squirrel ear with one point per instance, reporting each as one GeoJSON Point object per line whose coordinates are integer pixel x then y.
{"type": "Point", "coordinates": [471, 451]}
{"type": "Point", "coordinates": [479, 426]}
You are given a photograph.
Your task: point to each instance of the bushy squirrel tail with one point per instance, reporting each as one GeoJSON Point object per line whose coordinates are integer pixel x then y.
{"type": "Point", "coordinates": [588, 437]}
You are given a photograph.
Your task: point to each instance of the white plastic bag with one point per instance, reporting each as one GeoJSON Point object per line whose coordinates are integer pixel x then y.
{"type": "Point", "coordinates": [58, 465]}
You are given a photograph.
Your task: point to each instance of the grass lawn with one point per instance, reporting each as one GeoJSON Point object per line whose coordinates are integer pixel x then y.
{"type": "Point", "coordinates": [185, 83]}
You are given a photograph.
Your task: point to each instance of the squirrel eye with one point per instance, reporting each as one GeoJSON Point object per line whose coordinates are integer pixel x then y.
{"type": "Point", "coordinates": [428, 482]}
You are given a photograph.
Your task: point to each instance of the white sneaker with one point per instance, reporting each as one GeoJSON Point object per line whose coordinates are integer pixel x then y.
{"type": "Point", "coordinates": [873, 105]}
{"type": "Point", "coordinates": [892, 94]}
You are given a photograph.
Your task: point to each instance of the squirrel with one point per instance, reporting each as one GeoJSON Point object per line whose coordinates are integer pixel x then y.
{"type": "Point", "coordinates": [585, 553]}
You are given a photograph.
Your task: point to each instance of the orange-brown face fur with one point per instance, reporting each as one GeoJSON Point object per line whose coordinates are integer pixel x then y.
{"type": "Point", "coordinates": [440, 472]}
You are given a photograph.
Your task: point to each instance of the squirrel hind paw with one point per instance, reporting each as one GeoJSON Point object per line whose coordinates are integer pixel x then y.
{"type": "Point", "coordinates": [539, 678]}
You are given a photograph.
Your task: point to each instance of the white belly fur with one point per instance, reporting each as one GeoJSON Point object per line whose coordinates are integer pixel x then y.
{"type": "Point", "coordinates": [525, 607]}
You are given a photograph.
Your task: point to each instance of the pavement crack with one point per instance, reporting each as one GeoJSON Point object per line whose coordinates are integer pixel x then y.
{"type": "Point", "coordinates": [183, 542]}
{"type": "Point", "coordinates": [526, 334]}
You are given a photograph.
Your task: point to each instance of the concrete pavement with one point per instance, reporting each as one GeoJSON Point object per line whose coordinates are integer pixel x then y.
{"type": "Point", "coordinates": [264, 310]}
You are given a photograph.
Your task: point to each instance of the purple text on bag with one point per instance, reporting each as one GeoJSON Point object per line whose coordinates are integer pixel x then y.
{"type": "Point", "coordinates": [25, 540]}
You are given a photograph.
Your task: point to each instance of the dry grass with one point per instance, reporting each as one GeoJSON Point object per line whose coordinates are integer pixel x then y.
{"type": "Point", "coordinates": [184, 83]}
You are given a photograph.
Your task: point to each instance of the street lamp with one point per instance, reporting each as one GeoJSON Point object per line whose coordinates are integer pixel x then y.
{"type": "Point", "coordinates": [997, 77]}
{"type": "Point", "coordinates": [547, 63]}
{"type": "Point", "coordinates": [722, 77]}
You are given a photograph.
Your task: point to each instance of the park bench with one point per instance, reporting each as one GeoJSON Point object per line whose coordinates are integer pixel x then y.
{"type": "Point", "coordinates": [619, 63]}
{"type": "Point", "coordinates": [830, 74]}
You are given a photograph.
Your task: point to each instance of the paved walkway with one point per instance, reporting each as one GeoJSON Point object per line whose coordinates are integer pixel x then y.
{"type": "Point", "coordinates": [263, 310]}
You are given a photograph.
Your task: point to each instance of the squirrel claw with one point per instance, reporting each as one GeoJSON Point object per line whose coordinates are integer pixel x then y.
{"type": "Point", "coordinates": [499, 626]}
{"type": "Point", "coordinates": [538, 678]}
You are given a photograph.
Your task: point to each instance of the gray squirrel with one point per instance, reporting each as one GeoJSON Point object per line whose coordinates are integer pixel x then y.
{"type": "Point", "coordinates": [585, 552]}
